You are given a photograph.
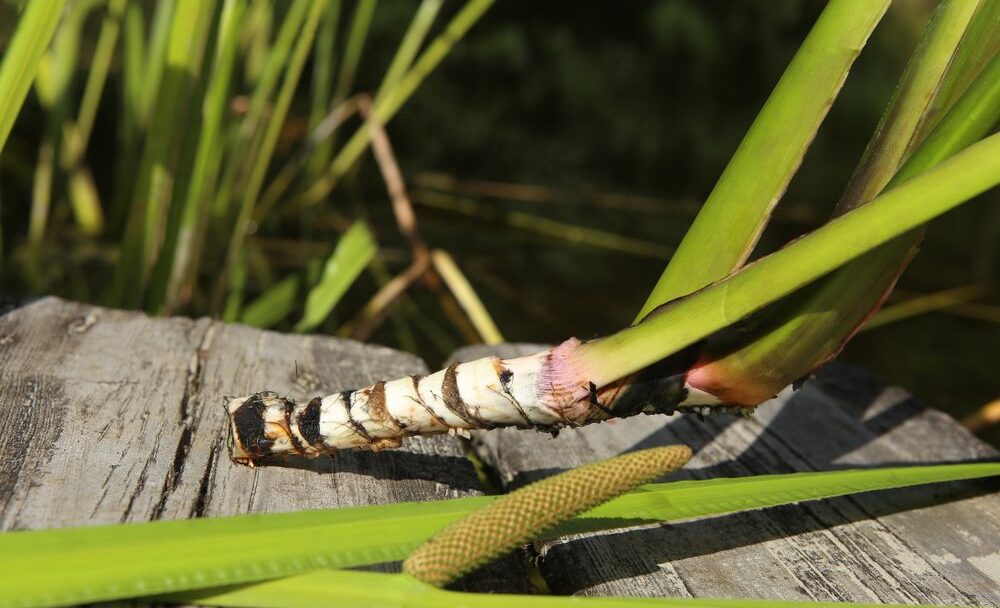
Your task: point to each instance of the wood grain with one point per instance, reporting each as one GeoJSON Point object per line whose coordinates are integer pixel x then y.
{"type": "Point", "coordinates": [934, 544]}
{"type": "Point", "coordinates": [110, 416]}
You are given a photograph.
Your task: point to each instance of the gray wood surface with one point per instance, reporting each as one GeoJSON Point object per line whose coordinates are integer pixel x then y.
{"type": "Point", "coordinates": [934, 544]}
{"type": "Point", "coordinates": [110, 416]}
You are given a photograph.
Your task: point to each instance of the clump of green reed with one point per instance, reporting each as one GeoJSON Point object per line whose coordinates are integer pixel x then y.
{"type": "Point", "coordinates": [206, 99]}
{"type": "Point", "coordinates": [929, 157]}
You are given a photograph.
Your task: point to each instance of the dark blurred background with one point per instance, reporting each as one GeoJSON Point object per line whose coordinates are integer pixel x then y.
{"type": "Point", "coordinates": [615, 117]}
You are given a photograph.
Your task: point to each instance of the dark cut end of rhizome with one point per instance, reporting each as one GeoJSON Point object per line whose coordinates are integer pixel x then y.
{"type": "Point", "coordinates": [247, 440]}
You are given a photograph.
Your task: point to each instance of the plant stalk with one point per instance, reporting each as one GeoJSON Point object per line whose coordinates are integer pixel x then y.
{"type": "Point", "coordinates": [799, 335]}
{"type": "Point", "coordinates": [622, 375]}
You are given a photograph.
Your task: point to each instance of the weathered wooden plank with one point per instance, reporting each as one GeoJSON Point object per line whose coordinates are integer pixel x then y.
{"type": "Point", "coordinates": [925, 545]}
{"type": "Point", "coordinates": [110, 416]}
{"type": "Point", "coordinates": [90, 412]}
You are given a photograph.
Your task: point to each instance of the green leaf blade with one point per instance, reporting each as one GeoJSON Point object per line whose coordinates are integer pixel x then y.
{"type": "Point", "coordinates": [20, 62]}
{"type": "Point", "coordinates": [791, 339]}
{"type": "Point", "coordinates": [110, 562]}
{"type": "Point", "coordinates": [688, 320]}
{"type": "Point", "coordinates": [394, 98]}
{"type": "Point", "coordinates": [321, 588]}
{"type": "Point", "coordinates": [353, 253]}
{"type": "Point", "coordinates": [273, 305]}
{"type": "Point", "coordinates": [734, 215]}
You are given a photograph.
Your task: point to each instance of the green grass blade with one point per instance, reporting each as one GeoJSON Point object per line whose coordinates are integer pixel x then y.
{"type": "Point", "coordinates": [110, 562]}
{"type": "Point", "coordinates": [255, 40]}
{"type": "Point", "coordinates": [41, 192]}
{"type": "Point", "coordinates": [354, 251]}
{"type": "Point", "coordinates": [410, 45]}
{"type": "Point", "coordinates": [323, 63]}
{"type": "Point", "coordinates": [185, 246]}
{"type": "Point", "coordinates": [386, 107]}
{"type": "Point", "coordinates": [574, 234]}
{"type": "Point", "coordinates": [925, 303]}
{"type": "Point", "coordinates": [53, 86]}
{"type": "Point", "coordinates": [249, 152]}
{"type": "Point", "coordinates": [466, 295]}
{"type": "Point", "coordinates": [237, 283]}
{"type": "Point", "coordinates": [133, 60]}
{"type": "Point", "coordinates": [58, 64]}
{"type": "Point", "coordinates": [82, 192]}
{"type": "Point", "coordinates": [297, 60]}
{"type": "Point", "coordinates": [688, 320]}
{"type": "Point", "coordinates": [979, 45]}
{"type": "Point", "coordinates": [323, 588]}
{"type": "Point", "coordinates": [98, 73]}
{"type": "Point", "coordinates": [265, 151]}
{"type": "Point", "coordinates": [355, 46]}
{"type": "Point", "coordinates": [274, 66]}
{"type": "Point", "coordinates": [357, 34]}
{"type": "Point", "coordinates": [158, 168]}
{"type": "Point", "coordinates": [84, 200]}
{"type": "Point", "coordinates": [274, 304]}
{"type": "Point", "coordinates": [132, 74]}
{"type": "Point", "coordinates": [154, 62]}
{"type": "Point", "coordinates": [790, 340]}
{"type": "Point", "coordinates": [687, 499]}
{"type": "Point", "coordinates": [20, 62]}
{"type": "Point", "coordinates": [911, 104]}
{"type": "Point", "coordinates": [242, 146]}
{"type": "Point", "coordinates": [726, 229]}
{"type": "Point", "coordinates": [970, 119]}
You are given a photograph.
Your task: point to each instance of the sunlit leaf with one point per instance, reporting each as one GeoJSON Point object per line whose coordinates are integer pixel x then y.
{"type": "Point", "coordinates": [733, 217]}
{"type": "Point", "coordinates": [109, 562]}
{"type": "Point", "coordinates": [354, 250]}
{"type": "Point", "coordinates": [324, 588]}
{"type": "Point", "coordinates": [20, 61]}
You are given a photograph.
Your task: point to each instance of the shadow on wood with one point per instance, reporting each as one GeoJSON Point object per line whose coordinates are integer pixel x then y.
{"type": "Point", "coordinates": [934, 544]}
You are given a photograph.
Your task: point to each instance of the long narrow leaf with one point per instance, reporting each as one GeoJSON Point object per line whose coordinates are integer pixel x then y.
{"type": "Point", "coordinates": [357, 34]}
{"type": "Point", "coordinates": [273, 305]}
{"type": "Point", "coordinates": [158, 169]}
{"type": "Point", "coordinates": [324, 588]}
{"type": "Point", "coordinates": [414, 37]}
{"type": "Point", "coordinates": [387, 106]}
{"type": "Point", "coordinates": [354, 251]}
{"type": "Point", "coordinates": [912, 103]}
{"type": "Point", "coordinates": [262, 157]}
{"type": "Point", "coordinates": [688, 320]}
{"type": "Point", "coordinates": [183, 249]}
{"type": "Point", "coordinates": [110, 562]}
{"type": "Point", "coordinates": [979, 45]}
{"type": "Point", "coordinates": [324, 60]}
{"type": "Point", "coordinates": [20, 66]}
{"type": "Point", "coordinates": [732, 219]}
{"type": "Point", "coordinates": [153, 64]}
{"type": "Point", "coordinates": [241, 148]}
{"type": "Point", "coordinates": [790, 340]}
{"type": "Point", "coordinates": [466, 295]}
{"type": "Point", "coordinates": [103, 54]}
{"type": "Point", "coordinates": [355, 46]}
{"type": "Point", "coordinates": [53, 85]}
{"type": "Point", "coordinates": [20, 62]}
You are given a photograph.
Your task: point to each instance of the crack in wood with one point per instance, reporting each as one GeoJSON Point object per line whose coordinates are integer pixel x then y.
{"type": "Point", "coordinates": [140, 485]}
{"type": "Point", "coordinates": [192, 385]}
{"type": "Point", "coordinates": [205, 488]}
{"type": "Point", "coordinates": [49, 379]}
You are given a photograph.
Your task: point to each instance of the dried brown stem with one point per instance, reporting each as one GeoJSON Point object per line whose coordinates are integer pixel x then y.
{"type": "Point", "coordinates": [374, 312]}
